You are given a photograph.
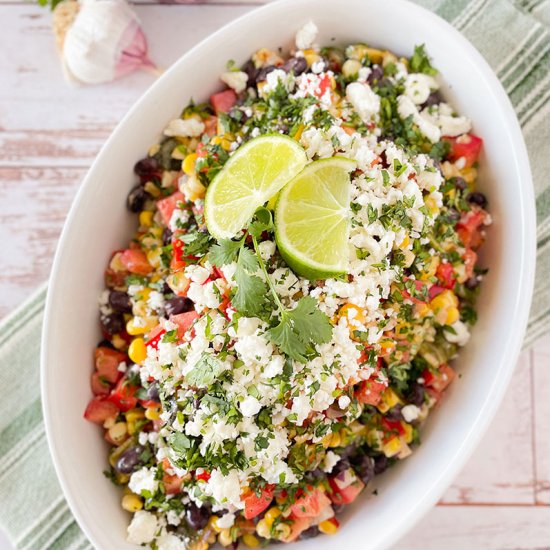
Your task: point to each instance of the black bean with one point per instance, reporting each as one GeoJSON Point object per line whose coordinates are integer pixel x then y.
{"type": "Point", "coordinates": [120, 301]}
{"type": "Point", "coordinates": [167, 236]}
{"type": "Point", "coordinates": [147, 167]}
{"type": "Point", "coordinates": [459, 183]}
{"type": "Point", "coordinates": [341, 466]}
{"type": "Point", "coordinates": [136, 198]}
{"type": "Point", "coordinates": [365, 468]}
{"type": "Point", "coordinates": [196, 517]}
{"type": "Point", "coordinates": [477, 198]}
{"type": "Point", "coordinates": [315, 475]}
{"type": "Point", "coordinates": [297, 65]}
{"type": "Point", "coordinates": [113, 323]}
{"type": "Point", "coordinates": [262, 73]}
{"type": "Point", "coordinates": [380, 464]}
{"type": "Point", "coordinates": [376, 75]}
{"type": "Point", "coordinates": [105, 344]}
{"type": "Point", "coordinates": [416, 396]}
{"type": "Point", "coordinates": [152, 392]}
{"type": "Point", "coordinates": [250, 69]}
{"type": "Point", "coordinates": [338, 508]}
{"type": "Point", "coordinates": [348, 451]}
{"type": "Point", "coordinates": [435, 98]}
{"type": "Point", "coordinates": [394, 413]}
{"type": "Point", "coordinates": [453, 214]}
{"type": "Point", "coordinates": [129, 460]}
{"type": "Point", "coordinates": [178, 304]}
{"type": "Point", "coordinates": [310, 533]}
{"type": "Point", "coordinates": [472, 282]}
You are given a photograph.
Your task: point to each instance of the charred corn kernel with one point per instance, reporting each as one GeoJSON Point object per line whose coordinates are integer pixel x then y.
{"type": "Point", "coordinates": [263, 528]}
{"type": "Point", "coordinates": [311, 57]}
{"type": "Point", "coordinates": [142, 326]}
{"type": "Point", "coordinates": [387, 58]}
{"type": "Point", "coordinates": [389, 400]}
{"type": "Point", "coordinates": [118, 432]}
{"type": "Point", "coordinates": [264, 57]}
{"type": "Point", "coordinates": [408, 437]}
{"type": "Point", "coordinates": [213, 524]}
{"type": "Point", "coordinates": [152, 413]}
{"type": "Point", "coordinates": [132, 503]}
{"type": "Point", "coordinates": [392, 447]}
{"type": "Point", "coordinates": [272, 513]}
{"type": "Point", "coordinates": [328, 527]}
{"type": "Point", "coordinates": [153, 257]}
{"type": "Point", "coordinates": [351, 67]}
{"type": "Point", "coordinates": [225, 538]}
{"type": "Point", "coordinates": [146, 218]}
{"type": "Point", "coordinates": [118, 342]}
{"type": "Point", "coordinates": [188, 165]}
{"type": "Point", "coordinates": [452, 316]}
{"type": "Point", "coordinates": [250, 540]}
{"type": "Point", "coordinates": [445, 299]}
{"type": "Point", "coordinates": [137, 352]}
{"type": "Point", "coordinates": [152, 189]}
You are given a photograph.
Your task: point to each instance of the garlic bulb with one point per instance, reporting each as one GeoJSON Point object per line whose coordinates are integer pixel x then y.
{"type": "Point", "coordinates": [100, 40]}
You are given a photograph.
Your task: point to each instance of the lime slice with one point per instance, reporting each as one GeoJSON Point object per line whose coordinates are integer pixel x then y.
{"type": "Point", "coordinates": [253, 174]}
{"type": "Point", "coordinates": [312, 219]}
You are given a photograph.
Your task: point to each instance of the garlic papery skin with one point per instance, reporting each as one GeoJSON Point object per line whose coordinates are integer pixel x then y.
{"type": "Point", "coordinates": [104, 42]}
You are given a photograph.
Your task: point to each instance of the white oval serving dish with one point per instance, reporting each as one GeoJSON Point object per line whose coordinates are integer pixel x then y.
{"type": "Point", "coordinates": [99, 223]}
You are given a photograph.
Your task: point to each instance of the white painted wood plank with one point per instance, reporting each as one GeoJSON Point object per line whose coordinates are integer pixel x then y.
{"type": "Point", "coordinates": [501, 469]}
{"type": "Point", "coordinates": [541, 412]}
{"type": "Point", "coordinates": [34, 205]}
{"type": "Point", "coordinates": [480, 528]}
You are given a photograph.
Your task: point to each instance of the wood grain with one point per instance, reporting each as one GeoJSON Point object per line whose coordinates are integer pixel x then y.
{"type": "Point", "coordinates": [50, 132]}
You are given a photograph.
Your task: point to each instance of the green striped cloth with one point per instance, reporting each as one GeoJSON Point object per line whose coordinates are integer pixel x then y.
{"type": "Point", "coordinates": [513, 37]}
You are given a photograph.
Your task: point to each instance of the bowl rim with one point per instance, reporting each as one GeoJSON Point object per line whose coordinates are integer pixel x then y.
{"type": "Point", "coordinates": [520, 307]}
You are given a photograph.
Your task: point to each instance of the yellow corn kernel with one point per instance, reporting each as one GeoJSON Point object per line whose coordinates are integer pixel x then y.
{"type": "Point", "coordinates": [311, 57]}
{"type": "Point", "coordinates": [153, 257]}
{"type": "Point", "coordinates": [224, 142]}
{"type": "Point", "coordinates": [152, 413]}
{"type": "Point", "coordinates": [392, 447]}
{"type": "Point", "coordinates": [146, 218]}
{"type": "Point", "coordinates": [405, 242]}
{"type": "Point", "coordinates": [409, 257]}
{"type": "Point", "coordinates": [264, 57]}
{"type": "Point", "coordinates": [188, 165]}
{"type": "Point", "coordinates": [352, 313]}
{"type": "Point", "coordinates": [118, 342]}
{"type": "Point", "coordinates": [430, 269]}
{"type": "Point", "coordinates": [429, 201]}
{"type": "Point", "coordinates": [389, 400]}
{"type": "Point", "coordinates": [117, 432]}
{"type": "Point", "coordinates": [386, 345]}
{"type": "Point", "coordinates": [152, 189]}
{"type": "Point", "coordinates": [193, 189]}
{"type": "Point", "coordinates": [408, 432]}
{"type": "Point", "coordinates": [116, 264]}
{"type": "Point", "coordinates": [452, 316]}
{"type": "Point", "coordinates": [137, 352]}
{"type": "Point", "coordinates": [198, 545]}
{"type": "Point", "coordinates": [178, 282]}
{"type": "Point", "coordinates": [144, 326]}
{"type": "Point", "coordinates": [250, 540]}
{"type": "Point", "coordinates": [282, 531]}
{"type": "Point", "coordinates": [225, 538]}
{"type": "Point", "coordinates": [132, 503]}
{"type": "Point", "coordinates": [134, 414]}
{"type": "Point", "coordinates": [263, 528]}
{"type": "Point", "coordinates": [351, 67]}
{"type": "Point", "coordinates": [122, 479]}
{"type": "Point", "coordinates": [109, 423]}
{"type": "Point", "coordinates": [328, 527]}
{"type": "Point", "coordinates": [154, 149]}
{"type": "Point", "coordinates": [387, 58]}
{"type": "Point", "coordinates": [422, 309]}
{"type": "Point", "coordinates": [326, 441]}
{"type": "Point", "coordinates": [272, 513]}
{"type": "Point", "coordinates": [445, 299]}
{"type": "Point", "coordinates": [213, 523]}
{"type": "Point", "coordinates": [335, 440]}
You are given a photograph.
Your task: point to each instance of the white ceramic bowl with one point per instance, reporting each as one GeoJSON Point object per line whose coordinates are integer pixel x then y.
{"type": "Point", "coordinates": [99, 223]}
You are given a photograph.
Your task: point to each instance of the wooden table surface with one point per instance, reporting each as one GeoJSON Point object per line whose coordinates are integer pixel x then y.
{"type": "Point", "coordinates": [49, 134]}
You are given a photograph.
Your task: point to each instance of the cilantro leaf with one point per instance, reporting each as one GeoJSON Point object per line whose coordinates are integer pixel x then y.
{"type": "Point", "coordinates": [205, 372]}
{"type": "Point", "coordinates": [248, 260]}
{"type": "Point", "coordinates": [224, 252]}
{"type": "Point", "coordinates": [286, 339]}
{"type": "Point", "coordinates": [196, 243]}
{"type": "Point", "coordinates": [179, 442]}
{"type": "Point", "coordinates": [420, 62]}
{"type": "Point", "coordinates": [250, 295]}
{"type": "Point", "coordinates": [263, 222]}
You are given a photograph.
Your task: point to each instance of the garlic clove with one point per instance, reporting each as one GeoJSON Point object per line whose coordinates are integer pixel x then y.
{"type": "Point", "coordinates": [104, 42]}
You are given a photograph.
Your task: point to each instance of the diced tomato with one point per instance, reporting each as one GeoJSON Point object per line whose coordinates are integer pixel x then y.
{"type": "Point", "coordinates": [123, 396]}
{"type": "Point", "coordinates": [203, 476]}
{"type": "Point", "coordinates": [370, 391]}
{"type": "Point", "coordinates": [99, 385]}
{"type": "Point", "coordinates": [467, 146]}
{"type": "Point", "coordinates": [446, 274]}
{"type": "Point", "coordinates": [107, 361]}
{"type": "Point", "coordinates": [297, 527]}
{"type": "Point", "coordinates": [324, 85]}
{"type": "Point", "coordinates": [223, 101]}
{"type": "Point", "coordinates": [470, 260]}
{"type": "Point", "coordinates": [469, 226]}
{"type": "Point", "coordinates": [184, 321]}
{"type": "Point", "coordinates": [310, 504]}
{"type": "Point", "coordinates": [154, 337]}
{"type": "Point", "coordinates": [419, 285]}
{"type": "Point", "coordinates": [99, 410]}
{"type": "Point", "coordinates": [172, 484]}
{"type": "Point", "coordinates": [440, 379]}
{"type": "Point", "coordinates": [392, 427]}
{"type": "Point", "coordinates": [435, 290]}
{"type": "Point", "coordinates": [167, 206]}
{"type": "Point", "coordinates": [135, 261]}
{"type": "Point", "coordinates": [210, 125]}
{"type": "Point", "coordinates": [254, 505]}
{"type": "Point", "coordinates": [345, 487]}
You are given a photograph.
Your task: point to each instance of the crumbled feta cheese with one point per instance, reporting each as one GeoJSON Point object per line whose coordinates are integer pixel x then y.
{"type": "Point", "coordinates": [418, 87]}
{"type": "Point", "coordinates": [267, 249]}
{"type": "Point", "coordinates": [330, 460]}
{"type": "Point", "coordinates": [276, 77]}
{"type": "Point", "coordinates": [306, 36]}
{"type": "Point", "coordinates": [410, 412]}
{"type": "Point", "coordinates": [235, 79]}
{"type": "Point", "coordinates": [142, 528]}
{"type": "Point", "coordinates": [226, 521]}
{"type": "Point", "coordinates": [461, 334]}
{"type": "Point", "coordinates": [344, 402]}
{"type": "Point", "coordinates": [250, 406]}
{"type": "Point", "coordinates": [168, 541]}
{"type": "Point", "coordinates": [364, 100]}
{"type": "Point", "coordinates": [224, 489]}
{"type": "Point", "coordinates": [407, 108]}
{"type": "Point", "coordinates": [189, 127]}
{"type": "Point", "coordinates": [143, 480]}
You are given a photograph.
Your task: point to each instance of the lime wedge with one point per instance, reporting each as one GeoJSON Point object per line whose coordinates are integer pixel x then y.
{"type": "Point", "coordinates": [253, 174]}
{"type": "Point", "coordinates": [312, 219]}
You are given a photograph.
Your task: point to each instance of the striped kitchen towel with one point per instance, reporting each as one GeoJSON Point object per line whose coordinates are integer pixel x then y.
{"type": "Point", "coordinates": [512, 35]}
